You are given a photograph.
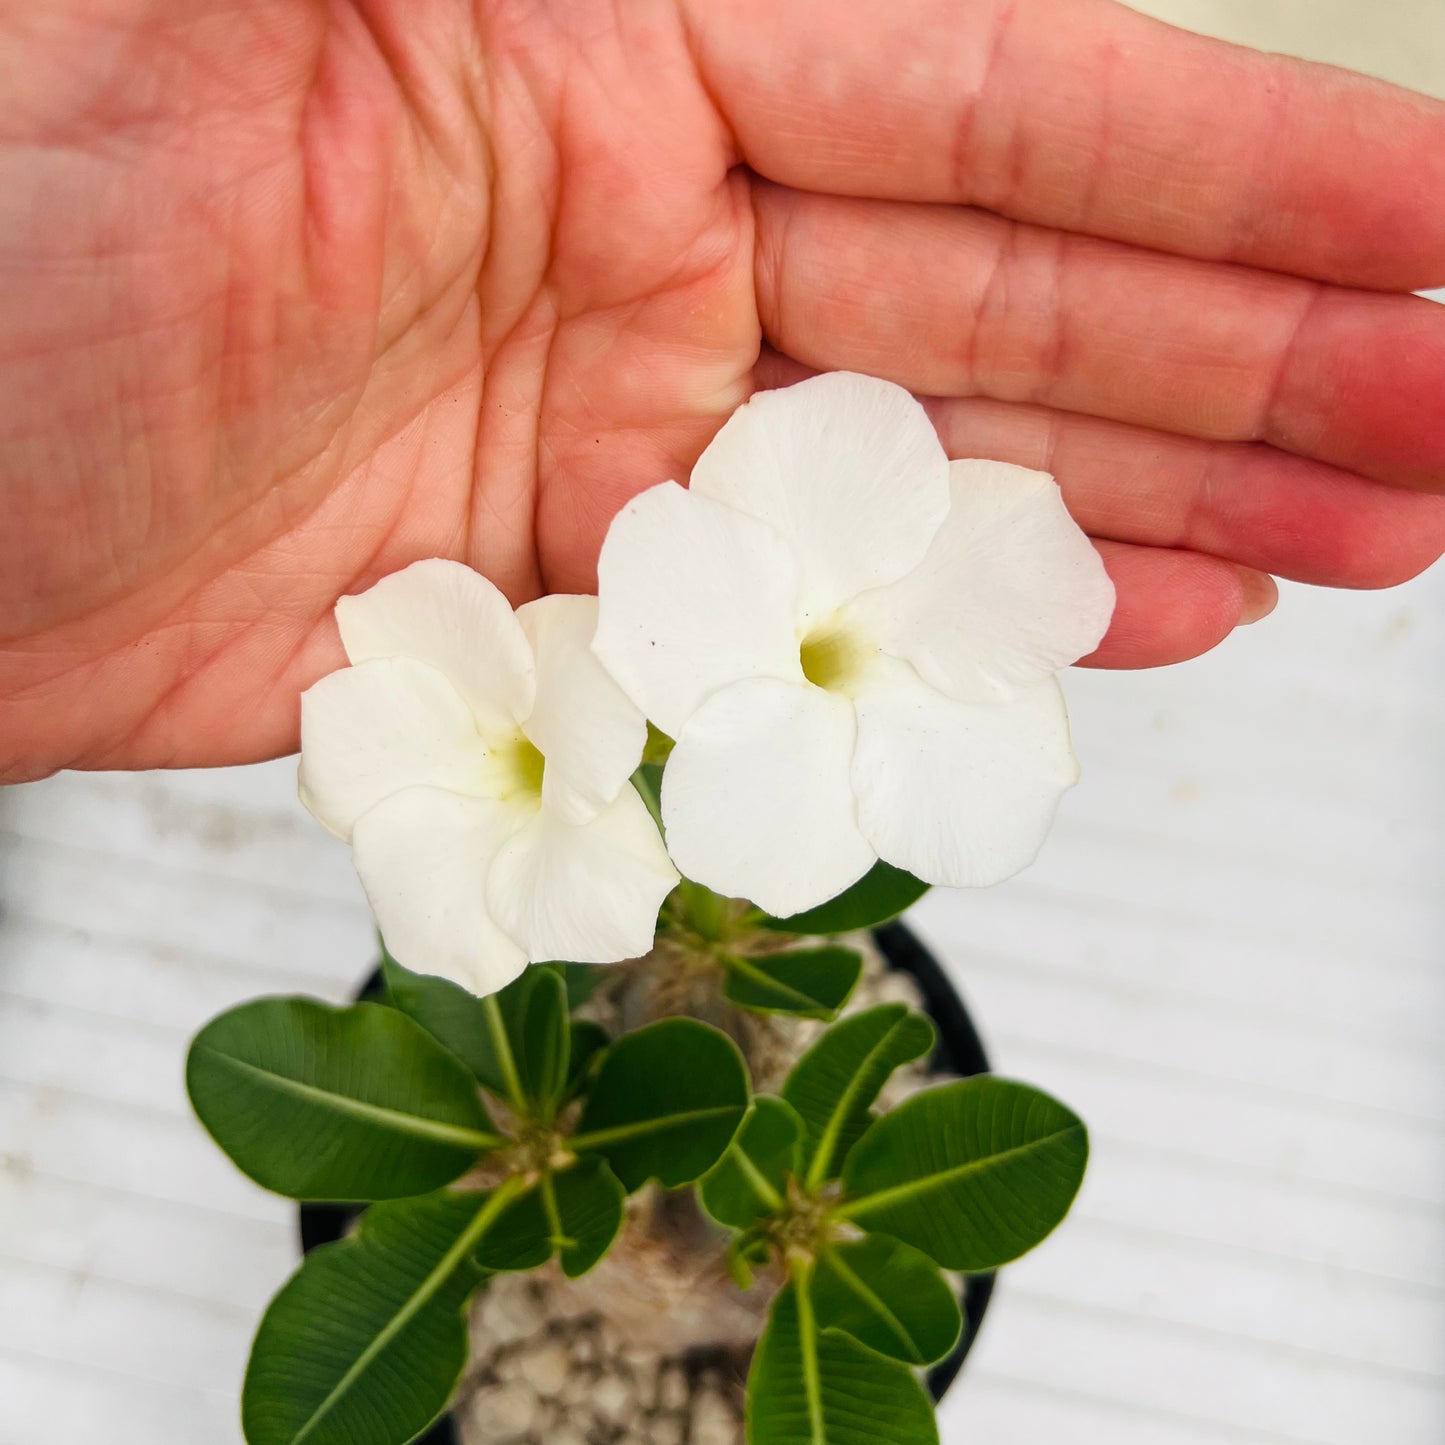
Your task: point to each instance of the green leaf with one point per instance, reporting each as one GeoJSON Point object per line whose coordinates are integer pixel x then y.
{"type": "Point", "coordinates": [813, 982]}
{"type": "Point", "coordinates": [539, 1029]}
{"type": "Point", "coordinates": [455, 1018]}
{"type": "Point", "coordinates": [590, 1201]}
{"type": "Point", "coordinates": [515, 1042]}
{"type": "Point", "coordinates": [974, 1174]}
{"type": "Point", "coordinates": [665, 1103]}
{"type": "Point", "coordinates": [575, 1213]}
{"type": "Point", "coordinates": [883, 892]}
{"type": "Point", "coordinates": [364, 1315]}
{"type": "Point", "coordinates": [888, 1296]}
{"type": "Point", "coordinates": [582, 980]}
{"type": "Point", "coordinates": [750, 1181]}
{"type": "Point", "coordinates": [834, 1084]}
{"type": "Point", "coordinates": [707, 914]}
{"type": "Point", "coordinates": [814, 1386]}
{"type": "Point", "coordinates": [648, 782]}
{"type": "Point", "coordinates": [589, 1042]}
{"type": "Point", "coordinates": [324, 1103]}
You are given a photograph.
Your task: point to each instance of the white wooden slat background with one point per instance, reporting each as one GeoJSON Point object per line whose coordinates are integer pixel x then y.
{"type": "Point", "coordinates": [1231, 959]}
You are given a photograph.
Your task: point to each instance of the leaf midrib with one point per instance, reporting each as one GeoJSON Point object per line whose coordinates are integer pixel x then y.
{"type": "Point", "coordinates": [832, 1131]}
{"type": "Point", "coordinates": [621, 1133]}
{"type": "Point", "coordinates": [881, 1198]}
{"type": "Point", "coordinates": [765, 980]}
{"type": "Point", "coordinates": [441, 1272]}
{"type": "Point", "coordinates": [761, 1185]}
{"type": "Point", "coordinates": [415, 1124]}
{"type": "Point", "coordinates": [875, 1302]}
{"type": "Point", "coordinates": [808, 1345]}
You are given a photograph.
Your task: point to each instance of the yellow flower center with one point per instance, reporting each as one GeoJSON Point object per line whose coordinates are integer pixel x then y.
{"type": "Point", "coordinates": [832, 657]}
{"type": "Point", "coordinates": [516, 767]}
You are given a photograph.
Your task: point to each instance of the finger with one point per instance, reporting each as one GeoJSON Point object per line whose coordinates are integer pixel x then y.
{"type": "Point", "coordinates": [1251, 504]}
{"type": "Point", "coordinates": [950, 301]}
{"type": "Point", "coordinates": [1175, 605]}
{"type": "Point", "coordinates": [1083, 115]}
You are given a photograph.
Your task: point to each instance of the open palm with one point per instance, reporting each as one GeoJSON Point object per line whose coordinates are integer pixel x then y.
{"type": "Point", "coordinates": [298, 292]}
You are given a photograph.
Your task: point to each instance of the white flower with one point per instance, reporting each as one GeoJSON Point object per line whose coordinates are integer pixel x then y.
{"type": "Point", "coordinates": [478, 761]}
{"type": "Point", "coordinates": [853, 643]}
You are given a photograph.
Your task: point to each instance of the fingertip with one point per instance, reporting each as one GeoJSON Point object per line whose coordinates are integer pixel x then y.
{"type": "Point", "coordinates": [1174, 605]}
{"type": "Point", "coordinates": [1259, 595]}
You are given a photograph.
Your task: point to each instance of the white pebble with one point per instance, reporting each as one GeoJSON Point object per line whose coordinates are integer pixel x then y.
{"type": "Point", "coordinates": [713, 1422]}
{"type": "Point", "coordinates": [899, 988]}
{"type": "Point", "coordinates": [666, 1430]}
{"type": "Point", "coordinates": [566, 1435]}
{"type": "Point", "coordinates": [545, 1367]}
{"type": "Point", "coordinates": [501, 1411]}
{"type": "Point", "coordinates": [672, 1390]}
{"type": "Point", "coordinates": [612, 1398]}
{"type": "Point", "coordinates": [579, 1386]}
{"type": "Point", "coordinates": [508, 1311]}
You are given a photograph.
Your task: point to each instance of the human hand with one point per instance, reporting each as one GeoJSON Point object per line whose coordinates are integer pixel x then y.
{"type": "Point", "coordinates": [300, 292]}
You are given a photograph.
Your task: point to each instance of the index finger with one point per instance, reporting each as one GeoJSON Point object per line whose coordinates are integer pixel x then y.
{"type": "Point", "coordinates": [1088, 117]}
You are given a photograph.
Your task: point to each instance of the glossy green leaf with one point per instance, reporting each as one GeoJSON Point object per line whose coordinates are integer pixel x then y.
{"type": "Point", "coordinates": [515, 1042]}
{"type": "Point", "coordinates": [575, 1213]}
{"type": "Point", "coordinates": [834, 1084]}
{"type": "Point", "coordinates": [324, 1103]}
{"type": "Point", "coordinates": [539, 1029]}
{"type": "Point", "coordinates": [750, 1181]}
{"type": "Point", "coordinates": [814, 1386]}
{"type": "Point", "coordinates": [888, 1296]}
{"type": "Point", "coordinates": [974, 1173]}
{"type": "Point", "coordinates": [590, 1201]}
{"type": "Point", "coordinates": [364, 1314]}
{"type": "Point", "coordinates": [455, 1018]}
{"type": "Point", "coordinates": [665, 1103]}
{"type": "Point", "coordinates": [883, 892]}
{"type": "Point", "coordinates": [812, 982]}
{"type": "Point", "coordinates": [582, 980]}
{"type": "Point", "coordinates": [589, 1042]}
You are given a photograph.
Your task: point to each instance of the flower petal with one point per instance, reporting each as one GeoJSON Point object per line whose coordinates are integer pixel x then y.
{"type": "Point", "coordinates": [1010, 591]}
{"type": "Point", "coordinates": [451, 617]}
{"type": "Point", "coordinates": [847, 468]}
{"type": "Point", "coordinates": [582, 723]}
{"type": "Point", "coordinates": [756, 797]}
{"type": "Point", "coordinates": [587, 894]}
{"type": "Point", "coordinates": [423, 856]}
{"type": "Point", "coordinates": [693, 596]}
{"type": "Point", "coordinates": [370, 731]}
{"type": "Point", "coordinates": [958, 793]}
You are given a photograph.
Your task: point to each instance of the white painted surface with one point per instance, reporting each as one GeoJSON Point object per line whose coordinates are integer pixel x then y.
{"type": "Point", "coordinates": [1231, 959]}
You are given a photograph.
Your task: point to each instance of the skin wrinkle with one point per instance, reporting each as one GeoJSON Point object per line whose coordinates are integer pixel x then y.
{"type": "Point", "coordinates": [1088, 205]}
{"type": "Point", "coordinates": [46, 639]}
{"type": "Point", "coordinates": [962, 161]}
{"type": "Point", "coordinates": [1268, 426]}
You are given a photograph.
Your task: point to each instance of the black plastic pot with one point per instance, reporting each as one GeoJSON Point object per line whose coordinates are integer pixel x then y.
{"type": "Point", "coordinates": [959, 1052]}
